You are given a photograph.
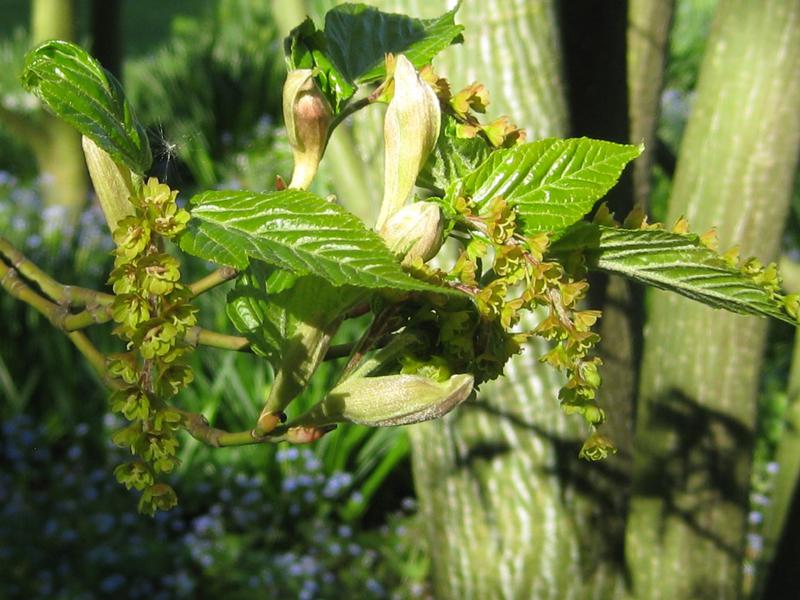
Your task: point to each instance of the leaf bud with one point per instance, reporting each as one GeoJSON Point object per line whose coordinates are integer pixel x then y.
{"type": "Point", "coordinates": [306, 435]}
{"type": "Point", "coordinates": [307, 115]}
{"type": "Point", "coordinates": [415, 231]}
{"type": "Point", "coordinates": [391, 400]}
{"type": "Point", "coordinates": [114, 184]}
{"type": "Point", "coordinates": [410, 130]}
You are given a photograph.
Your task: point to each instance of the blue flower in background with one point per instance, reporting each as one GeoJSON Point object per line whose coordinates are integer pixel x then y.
{"type": "Point", "coordinates": [112, 583]}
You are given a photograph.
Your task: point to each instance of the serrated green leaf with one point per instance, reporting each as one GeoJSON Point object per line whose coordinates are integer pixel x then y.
{"type": "Point", "coordinates": [552, 182]}
{"type": "Point", "coordinates": [452, 157]}
{"type": "Point", "coordinates": [78, 90]}
{"type": "Point", "coordinates": [670, 261]}
{"type": "Point", "coordinates": [297, 231]}
{"type": "Point", "coordinates": [359, 36]}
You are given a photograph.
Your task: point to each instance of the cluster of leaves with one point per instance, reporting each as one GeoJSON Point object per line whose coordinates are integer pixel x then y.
{"type": "Point", "coordinates": [153, 313]}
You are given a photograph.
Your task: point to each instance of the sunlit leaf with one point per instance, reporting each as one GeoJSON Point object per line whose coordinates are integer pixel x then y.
{"type": "Point", "coordinates": [552, 182]}
{"type": "Point", "coordinates": [78, 90]}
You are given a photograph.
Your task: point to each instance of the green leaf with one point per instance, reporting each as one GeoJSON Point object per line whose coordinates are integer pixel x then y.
{"type": "Point", "coordinates": [290, 320]}
{"type": "Point", "coordinates": [252, 311]}
{"type": "Point", "coordinates": [78, 90]}
{"type": "Point", "coordinates": [306, 48]}
{"type": "Point", "coordinates": [552, 182]}
{"type": "Point", "coordinates": [352, 48]}
{"type": "Point", "coordinates": [297, 231]}
{"type": "Point", "coordinates": [671, 261]}
{"type": "Point", "coordinates": [452, 157]}
{"type": "Point", "coordinates": [359, 36]}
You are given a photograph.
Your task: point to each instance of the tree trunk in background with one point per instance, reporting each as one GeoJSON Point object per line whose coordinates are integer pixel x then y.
{"type": "Point", "coordinates": [107, 34]}
{"type": "Point", "coordinates": [596, 54]}
{"type": "Point", "coordinates": [700, 373]}
{"type": "Point", "coordinates": [57, 146]}
{"type": "Point", "coordinates": [648, 32]}
{"type": "Point", "coordinates": [510, 510]}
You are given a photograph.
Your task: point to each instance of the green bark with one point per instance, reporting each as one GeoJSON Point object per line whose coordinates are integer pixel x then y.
{"type": "Point", "coordinates": [509, 509]}
{"type": "Point", "coordinates": [700, 373]}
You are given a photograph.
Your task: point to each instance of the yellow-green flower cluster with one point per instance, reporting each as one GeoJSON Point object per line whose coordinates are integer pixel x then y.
{"type": "Point", "coordinates": [152, 311]}
{"type": "Point", "coordinates": [505, 273]}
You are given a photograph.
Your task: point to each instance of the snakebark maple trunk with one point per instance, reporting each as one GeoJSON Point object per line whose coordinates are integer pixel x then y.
{"type": "Point", "coordinates": [695, 423]}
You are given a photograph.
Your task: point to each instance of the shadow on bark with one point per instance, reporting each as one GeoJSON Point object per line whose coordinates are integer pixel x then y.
{"type": "Point", "coordinates": [696, 465]}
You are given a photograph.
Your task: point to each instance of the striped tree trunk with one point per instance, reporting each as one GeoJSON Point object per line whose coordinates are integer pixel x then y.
{"type": "Point", "coordinates": [509, 509]}
{"type": "Point", "coordinates": [700, 373]}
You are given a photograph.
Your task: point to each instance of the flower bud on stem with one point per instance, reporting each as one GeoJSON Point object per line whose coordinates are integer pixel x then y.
{"type": "Point", "coordinates": [414, 232]}
{"type": "Point", "coordinates": [410, 130]}
{"type": "Point", "coordinates": [308, 115]}
{"type": "Point", "coordinates": [388, 400]}
{"type": "Point", "coordinates": [114, 184]}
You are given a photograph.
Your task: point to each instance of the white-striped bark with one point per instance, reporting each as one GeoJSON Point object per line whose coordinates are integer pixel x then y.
{"type": "Point", "coordinates": [510, 511]}
{"type": "Point", "coordinates": [696, 413]}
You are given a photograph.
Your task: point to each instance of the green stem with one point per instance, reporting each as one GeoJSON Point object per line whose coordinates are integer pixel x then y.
{"type": "Point", "coordinates": [204, 337]}
{"type": "Point", "coordinates": [198, 336]}
{"type": "Point", "coordinates": [212, 280]}
{"type": "Point", "coordinates": [52, 20]}
{"type": "Point", "coordinates": [96, 358]}
{"type": "Point", "coordinates": [58, 315]}
{"type": "Point", "coordinates": [86, 318]}
{"type": "Point", "coordinates": [63, 294]}
{"type": "Point", "coordinates": [349, 110]}
{"type": "Point", "coordinates": [199, 428]}
{"type": "Point", "coordinates": [16, 287]}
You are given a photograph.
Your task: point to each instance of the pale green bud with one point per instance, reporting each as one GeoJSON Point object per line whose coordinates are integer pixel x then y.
{"type": "Point", "coordinates": [114, 184]}
{"type": "Point", "coordinates": [307, 114]}
{"type": "Point", "coordinates": [410, 129]}
{"type": "Point", "coordinates": [415, 231]}
{"type": "Point", "coordinates": [390, 400]}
